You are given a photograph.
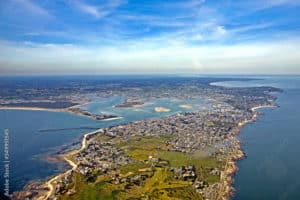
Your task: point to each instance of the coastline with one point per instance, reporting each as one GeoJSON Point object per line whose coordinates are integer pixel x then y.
{"type": "Point", "coordinates": [111, 119]}
{"type": "Point", "coordinates": [227, 189]}
{"type": "Point", "coordinates": [31, 108]}
{"type": "Point", "coordinates": [65, 110]}
{"type": "Point", "coordinates": [49, 183]}
{"type": "Point", "coordinates": [263, 106]}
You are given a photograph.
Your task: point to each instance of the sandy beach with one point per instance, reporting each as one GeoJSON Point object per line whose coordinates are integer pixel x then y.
{"type": "Point", "coordinates": [31, 108]}
{"type": "Point", "coordinates": [66, 110]}
{"type": "Point", "coordinates": [111, 119]}
{"type": "Point", "coordinates": [186, 106]}
{"type": "Point", "coordinates": [51, 182]}
{"type": "Point", "coordinates": [162, 109]}
{"type": "Point", "coordinates": [266, 106]}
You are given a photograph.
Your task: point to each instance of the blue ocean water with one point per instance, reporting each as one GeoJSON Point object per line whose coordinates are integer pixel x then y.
{"type": "Point", "coordinates": [27, 144]}
{"type": "Point", "coordinates": [271, 169]}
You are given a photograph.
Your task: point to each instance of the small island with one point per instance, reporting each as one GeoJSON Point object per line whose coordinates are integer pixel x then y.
{"type": "Point", "coordinates": [186, 106]}
{"type": "Point", "coordinates": [162, 109]}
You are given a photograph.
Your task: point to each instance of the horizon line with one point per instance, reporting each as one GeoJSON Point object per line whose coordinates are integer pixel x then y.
{"type": "Point", "coordinates": [147, 74]}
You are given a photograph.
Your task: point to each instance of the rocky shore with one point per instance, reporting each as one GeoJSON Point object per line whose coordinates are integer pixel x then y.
{"type": "Point", "coordinates": [231, 168]}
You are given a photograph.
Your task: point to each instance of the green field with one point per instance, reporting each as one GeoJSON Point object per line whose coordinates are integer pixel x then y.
{"type": "Point", "coordinates": [159, 183]}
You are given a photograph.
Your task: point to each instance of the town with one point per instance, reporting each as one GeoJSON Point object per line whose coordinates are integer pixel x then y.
{"type": "Point", "coordinates": [189, 153]}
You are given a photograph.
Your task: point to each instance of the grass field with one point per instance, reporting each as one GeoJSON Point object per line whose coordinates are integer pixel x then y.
{"type": "Point", "coordinates": [160, 182]}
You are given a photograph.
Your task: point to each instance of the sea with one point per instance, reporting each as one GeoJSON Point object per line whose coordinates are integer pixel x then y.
{"type": "Point", "coordinates": [271, 169]}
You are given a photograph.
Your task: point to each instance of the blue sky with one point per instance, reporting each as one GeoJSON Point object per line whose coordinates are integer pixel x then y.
{"type": "Point", "coordinates": [150, 36]}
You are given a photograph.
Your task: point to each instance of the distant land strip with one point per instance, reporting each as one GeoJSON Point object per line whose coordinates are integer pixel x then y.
{"type": "Point", "coordinates": [67, 129]}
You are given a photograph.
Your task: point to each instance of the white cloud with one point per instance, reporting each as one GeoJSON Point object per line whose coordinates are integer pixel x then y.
{"type": "Point", "coordinates": [220, 31]}
{"type": "Point", "coordinates": [191, 40]}
{"type": "Point", "coordinates": [251, 6]}
{"type": "Point", "coordinates": [89, 9]}
{"type": "Point", "coordinates": [263, 57]}
{"type": "Point", "coordinates": [282, 2]}
{"type": "Point", "coordinates": [98, 11]}
{"type": "Point", "coordinates": [31, 7]}
{"type": "Point", "coordinates": [186, 4]}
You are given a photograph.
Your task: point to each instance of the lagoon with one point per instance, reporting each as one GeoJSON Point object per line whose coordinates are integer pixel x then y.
{"type": "Point", "coordinates": [36, 134]}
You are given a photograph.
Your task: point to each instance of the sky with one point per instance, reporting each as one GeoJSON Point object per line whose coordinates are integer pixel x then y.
{"type": "Point", "coordinates": [150, 36]}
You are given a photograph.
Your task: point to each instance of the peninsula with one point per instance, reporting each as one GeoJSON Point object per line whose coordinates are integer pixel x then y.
{"type": "Point", "coordinates": [189, 155]}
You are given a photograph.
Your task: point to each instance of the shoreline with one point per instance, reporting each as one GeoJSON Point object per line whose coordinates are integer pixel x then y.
{"type": "Point", "coordinates": [49, 183]}
{"type": "Point", "coordinates": [111, 119]}
{"type": "Point", "coordinates": [263, 106]}
{"type": "Point", "coordinates": [231, 168]}
{"type": "Point", "coordinates": [65, 110]}
{"type": "Point", "coordinates": [32, 108]}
